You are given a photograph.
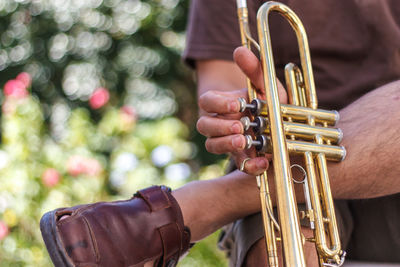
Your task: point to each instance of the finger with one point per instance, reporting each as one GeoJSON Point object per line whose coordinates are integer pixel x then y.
{"type": "Point", "coordinates": [214, 126]}
{"type": "Point", "coordinates": [251, 67]}
{"type": "Point", "coordinates": [254, 166]}
{"type": "Point", "coordinates": [225, 144]}
{"type": "Point", "coordinates": [221, 102]}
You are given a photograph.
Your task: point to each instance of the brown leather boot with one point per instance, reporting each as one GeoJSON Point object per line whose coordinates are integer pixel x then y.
{"type": "Point", "coordinates": [147, 227]}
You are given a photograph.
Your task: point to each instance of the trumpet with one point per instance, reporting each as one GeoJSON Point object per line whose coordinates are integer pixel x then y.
{"type": "Point", "coordinates": [296, 128]}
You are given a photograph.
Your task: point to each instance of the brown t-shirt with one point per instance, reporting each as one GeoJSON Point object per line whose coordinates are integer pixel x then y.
{"type": "Point", "coordinates": [355, 44]}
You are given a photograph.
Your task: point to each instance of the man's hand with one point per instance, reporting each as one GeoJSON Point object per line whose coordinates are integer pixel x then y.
{"type": "Point", "coordinates": [221, 123]}
{"type": "Point", "coordinates": [224, 131]}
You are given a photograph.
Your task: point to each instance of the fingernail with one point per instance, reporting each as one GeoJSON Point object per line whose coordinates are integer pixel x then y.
{"type": "Point", "coordinates": [237, 141]}
{"type": "Point", "coordinates": [262, 164]}
{"type": "Point", "coordinates": [236, 128]}
{"type": "Point", "coordinates": [234, 106]}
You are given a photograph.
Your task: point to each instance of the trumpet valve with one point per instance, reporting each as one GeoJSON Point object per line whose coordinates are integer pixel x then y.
{"type": "Point", "coordinates": [247, 123]}
{"type": "Point", "coordinates": [244, 105]}
{"type": "Point", "coordinates": [262, 143]}
{"type": "Point", "coordinates": [261, 124]}
{"type": "Point", "coordinates": [250, 142]}
{"type": "Point", "coordinates": [255, 106]}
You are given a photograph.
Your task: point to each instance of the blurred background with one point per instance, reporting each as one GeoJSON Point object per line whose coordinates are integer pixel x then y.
{"type": "Point", "coordinates": [95, 104]}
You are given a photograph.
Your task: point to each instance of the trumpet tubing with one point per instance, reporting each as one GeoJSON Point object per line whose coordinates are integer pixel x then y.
{"type": "Point", "coordinates": [300, 113]}
{"type": "Point", "coordinates": [296, 128]}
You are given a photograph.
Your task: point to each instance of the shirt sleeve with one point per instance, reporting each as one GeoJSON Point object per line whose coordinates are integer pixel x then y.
{"type": "Point", "coordinates": [213, 30]}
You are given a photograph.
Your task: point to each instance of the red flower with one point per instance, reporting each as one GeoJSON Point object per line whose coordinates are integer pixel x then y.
{"type": "Point", "coordinates": [15, 88]}
{"type": "Point", "coordinates": [25, 78]}
{"type": "Point", "coordinates": [50, 177]}
{"type": "Point", "coordinates": [99, 98]}
{"type": "Point", "coordinates": [3, 230]}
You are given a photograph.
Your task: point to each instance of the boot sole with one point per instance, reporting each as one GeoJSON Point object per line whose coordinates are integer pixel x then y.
{"type": "Point", "coordinates": [52, 240]}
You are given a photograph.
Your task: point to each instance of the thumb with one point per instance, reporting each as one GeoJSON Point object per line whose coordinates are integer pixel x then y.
{"type": "Point", "coordinates": [251, 67]}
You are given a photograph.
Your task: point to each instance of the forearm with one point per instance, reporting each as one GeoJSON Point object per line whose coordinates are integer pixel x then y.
{"type": "Point", "coordinates": [208, 205]}
{"type": "Point", "coordinates": [371, 128]}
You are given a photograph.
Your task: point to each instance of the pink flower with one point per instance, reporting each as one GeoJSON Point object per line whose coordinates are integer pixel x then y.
{"type": "Point", "coordinates": [92, 167]}
{"type": "Point", "coordinates": [77, 165]}
{"type": "Point", "coordinates": [3, 230]}
{"type": "Point", "coordinates": [129, 111]}
{"type": "Point", "coordinates": [50, 177]}
{"type": "Point", "coordinates": [99, 98]}
{"type": "Point", "coordinates": [15, 88]}
{"type": "Point", "coordinates": [25, 78]}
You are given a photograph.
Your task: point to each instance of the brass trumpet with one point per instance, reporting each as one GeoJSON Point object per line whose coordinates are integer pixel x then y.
{"type": "Point", "coordinates": [297, 128]}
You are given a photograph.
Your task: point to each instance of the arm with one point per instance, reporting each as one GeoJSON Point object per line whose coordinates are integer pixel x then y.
{"type": "Point", "coordinates": [371, 136]}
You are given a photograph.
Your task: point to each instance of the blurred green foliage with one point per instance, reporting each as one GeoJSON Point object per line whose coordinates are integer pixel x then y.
{"type": "Point", "coordinates": [58, 147]}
